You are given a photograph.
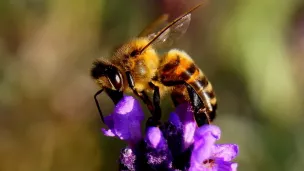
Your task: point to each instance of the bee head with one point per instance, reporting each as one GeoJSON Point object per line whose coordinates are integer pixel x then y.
{"type": "Point", "coordinates": [107, 75]}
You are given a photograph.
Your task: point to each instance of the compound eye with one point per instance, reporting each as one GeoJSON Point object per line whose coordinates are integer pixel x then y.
{"type": "Point", "coordinates": [116, 80]}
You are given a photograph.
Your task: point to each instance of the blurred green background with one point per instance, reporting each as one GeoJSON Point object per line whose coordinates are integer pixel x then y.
{"type": "Point", "coordinates": [251, 50]}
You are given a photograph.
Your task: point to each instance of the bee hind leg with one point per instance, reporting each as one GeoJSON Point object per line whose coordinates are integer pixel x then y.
{"type": "Point", "coordinates": [200, 115]}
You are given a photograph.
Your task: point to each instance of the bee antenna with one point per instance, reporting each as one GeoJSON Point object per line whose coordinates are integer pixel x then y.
{"type": "Point", "coordinates": [171, 24]}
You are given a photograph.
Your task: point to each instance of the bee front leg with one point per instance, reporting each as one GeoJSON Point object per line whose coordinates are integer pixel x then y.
{"type": "Point", "coordinates": [97, 104]}
{"type": "Point", "coordinates": [116, 96]}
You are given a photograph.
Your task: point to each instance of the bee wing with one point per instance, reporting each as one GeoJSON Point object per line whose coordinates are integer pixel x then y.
{"type": "Point", "coordinates": [157, 24]}
{"type": "Point", "coordinates": [172, 34]}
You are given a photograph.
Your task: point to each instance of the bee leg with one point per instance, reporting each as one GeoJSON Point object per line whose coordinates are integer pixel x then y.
{"type": "Point", "coordinates": [154, 120]}
{"type": "Point", "coordinates": [200, 115]}
{"type": "Point", "coordinates": [116, 96]}
{"type": "Point", "coordinates": [142, 95]}
{"type": "Point", "coordinates": [97, 104]}
{"type": "Point", "coordinates": [197, 102]}
{"type": "Point", "coordinates": [156, 102]}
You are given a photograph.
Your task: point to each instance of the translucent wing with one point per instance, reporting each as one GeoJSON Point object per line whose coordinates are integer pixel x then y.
{"type": "Point", "coordinates": [173, 33]}
{"type": "Point", "coordinates": [155, 26]}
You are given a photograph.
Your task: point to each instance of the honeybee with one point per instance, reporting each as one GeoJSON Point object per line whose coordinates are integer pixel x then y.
{"type": "Point", "coordinates": [136, 67]}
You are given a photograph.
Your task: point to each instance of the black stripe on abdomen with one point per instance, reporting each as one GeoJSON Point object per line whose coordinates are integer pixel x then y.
{"type": "Point", "coordinates": [189, 72]}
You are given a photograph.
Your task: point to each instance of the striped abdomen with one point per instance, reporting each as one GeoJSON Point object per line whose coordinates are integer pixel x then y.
{"type": "Point", "coordinates": [177, 69]}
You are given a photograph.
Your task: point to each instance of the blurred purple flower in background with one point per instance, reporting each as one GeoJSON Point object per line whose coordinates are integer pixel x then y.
{"type": "Point", "coordinates": [173, 146]}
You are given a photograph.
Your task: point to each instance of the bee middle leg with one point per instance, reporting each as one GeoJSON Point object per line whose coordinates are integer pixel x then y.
{"type": "Point", "coordinates": [154, 120]}
{"type": "Point", "coordinates": [156, 101]}
{"type": "Point", "coordinates": [143, 95]}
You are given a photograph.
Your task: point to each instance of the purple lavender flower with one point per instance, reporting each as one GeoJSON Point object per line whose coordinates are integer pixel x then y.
{"type": "Point", "coordinates": [176, 145]}
{"type": "Point", "coordinates": [207, 156]}
{"type": "Point", "coordinates": [125, 121]}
